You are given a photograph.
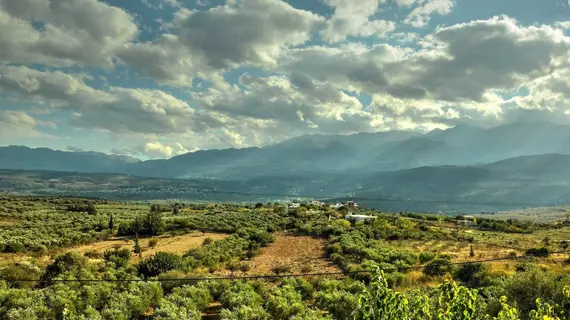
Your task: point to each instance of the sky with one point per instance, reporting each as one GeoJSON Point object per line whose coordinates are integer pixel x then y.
{"type": "Point", "coordinates": [158, 78]}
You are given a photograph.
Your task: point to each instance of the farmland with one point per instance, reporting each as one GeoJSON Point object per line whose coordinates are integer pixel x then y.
{"type": "Point", "coordinates": [418, 260]}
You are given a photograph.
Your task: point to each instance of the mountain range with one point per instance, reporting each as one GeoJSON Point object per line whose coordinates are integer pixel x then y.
{"type": "Point", "coordinates": [518, 162]}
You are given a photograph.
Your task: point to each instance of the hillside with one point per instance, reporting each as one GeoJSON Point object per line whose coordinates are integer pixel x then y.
{"type": "Point", "coordinates": [315, 155]}
{"type": "Point", "coordinates": [516, 182]}
{"type": "Point", "coordinates": [20, 157]}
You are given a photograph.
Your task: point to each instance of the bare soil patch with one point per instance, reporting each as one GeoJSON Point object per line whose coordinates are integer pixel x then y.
{"type": "Point", "coordinates": [302, 253]}
{"type": "Point", "coordinates": [8, 222]}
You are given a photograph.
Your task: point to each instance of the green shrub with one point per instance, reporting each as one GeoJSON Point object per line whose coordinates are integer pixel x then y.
{"type": "Point", "coordinates": [439, 266]}
{"type": "Point", "coordinates": [473, 275]}
{"type": "Point", "coordinates": [159, 263]}
{"type": "Point", "coordinates": [119, 257]}
{"type": "Point", "coordinates": [426, 256]}
{"type": "Point", "coordinates": [69, 262]}
{"type": "Point", "coordinates": [537, 252]}
{"type": "Point", "coordinates": [93, 254]}
{"type": "Point", "coordinates": [281, 269]}
{"type": "Point", "coordinates": [152, 242]}
{"type": "Point", "coordinates": [13, 247]}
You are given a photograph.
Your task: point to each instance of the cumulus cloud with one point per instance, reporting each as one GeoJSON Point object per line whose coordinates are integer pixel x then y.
{"type": "Point", "coordinates": [156, 149]}
{"type": "Point", "coordinates": [464, 61]}
{"type": "Point", "coordinates": [355, 18]}
{"type": "Point", "coordinates": [305, 74]}
{"type": "Point", "coordinates": [353, 67]}
{"type": "Point", "coordinates": [246, 32]}
{"type": "Point", "coordinates": [421, 15]}
{"type": "Point", "coordinates": [115, 110]}
{"type": "Point", "coordinates": [406, 3]}
{"type": "Point", "coordinates": [19, 124]}
{"type": "Point", "coordinates": [296, 104]}
{"type": "Point", "coordinates": [43, 87]}
{"type": "Point", "coordinates": [162, 4]}
{"type": "Point", "coordinates": [63, 32]}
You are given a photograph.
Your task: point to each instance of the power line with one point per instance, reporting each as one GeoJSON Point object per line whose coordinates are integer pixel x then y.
{"type": "Point", "coordinates": [293, 275]}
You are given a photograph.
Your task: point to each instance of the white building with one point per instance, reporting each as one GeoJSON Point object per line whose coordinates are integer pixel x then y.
{"type": "Point", "coordinates": [316, 203]}
{"type": "Point", "coordinates": [293, 205]}
{"type": "Point", "coordinates": [359, 217]}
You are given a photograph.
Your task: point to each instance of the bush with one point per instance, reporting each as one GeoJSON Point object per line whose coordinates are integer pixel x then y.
{"type": "Point", "coordinates": [152, 242]}
{"type": "Point", "coordinates": [93, 254]}
{"type": "Point", "coordinates": [152, 224]}
{"type": "Point", "coordinates": [119, 257]}
{"type": "Point", "coordinates": [281, 269]}
{"type": "Point", "coordinates": [537, 252]}
{"type": "Point", "coordinates": [69, 262]}
{"type": "Point", "coordinates": [426, 256]}
{"type": "Point", "coordinates": [284, 303]}
{"type": "Point", "coordinates": [438, 266]}
{"type": "Point", "coordinates": [472, 274]}
{"type": "Point", "coordinates": [23, 271]}
{"type": "Point", "coordinates": [159, 263]}
{"type": "Point", "coordinates": [524, 288]}
{"type": "Point", "coordinates": [13, 247]}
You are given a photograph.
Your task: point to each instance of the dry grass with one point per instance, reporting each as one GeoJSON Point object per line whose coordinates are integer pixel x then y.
{"type": "Point", "coordinates": [302, 253]}
{"type": "Point", "coordinates": [8, 222]}
{"type": "Point", "coordinates": [176, 244]}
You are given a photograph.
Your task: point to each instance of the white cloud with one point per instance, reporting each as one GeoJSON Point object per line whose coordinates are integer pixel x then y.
{"type": "Point", "coordinates": [64, 33]}
{"type": "Point", "coordinates": [352, 67]}
{"type": "Point", "coordinates": [115, 110]}
{"type": "Point", "coordinates": [19, 124]}
{"type": "Point", "coordinates": [421, 15]}
{"type": "Point", "coordinates": [247, 32]}
{"type": "Point", "coordinates": [562, 24]}
{"type": "Point", "coordinates": [406, 3]}
{"type": "Point", "coordinates": [156, 149]}
{"type": "Point", "coordinates": [162, 4]}
{"type": "Point", "coordinates": [54, 87]}
{"type": "Point", "coordinates": [294, 105]}
{"type": "Point", "coordinates": [464, 61]}
{"type": "Point", "coordinates": [355, 18]}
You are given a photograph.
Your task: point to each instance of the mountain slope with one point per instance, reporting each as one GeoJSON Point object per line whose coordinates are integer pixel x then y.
{"type": "Point", "coordinates": [532, 180]}
{"type": "Point", "coordinates": [20, 157]}
{"type": "Point", "coordinates": [541, 179]}
{"type": "Point", "coordinates": [316, 155]}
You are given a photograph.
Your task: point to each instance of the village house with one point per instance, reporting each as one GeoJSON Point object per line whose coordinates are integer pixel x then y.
{"type": "Point", "coordinates": [351, 204]}
{"type": "Point", "coordinates": [293, 205]}
{"type": "Point", "coordinates": [359, 217]}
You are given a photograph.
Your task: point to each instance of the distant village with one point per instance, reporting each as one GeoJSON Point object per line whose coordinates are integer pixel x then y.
{"type": "Point", "coordinates": [338, 205]}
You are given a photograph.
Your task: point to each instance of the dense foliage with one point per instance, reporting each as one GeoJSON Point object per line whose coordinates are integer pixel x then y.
{"type": "Point", "coordinates": [463, 291]}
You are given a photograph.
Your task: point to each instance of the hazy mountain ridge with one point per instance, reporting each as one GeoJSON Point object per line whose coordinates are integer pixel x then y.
{"type": "Point", "coordinates": [510, 183]}
{"type": "Point", "coordinates": [316, 155]}
{"type": "Point", "coordinates": [21, 157]}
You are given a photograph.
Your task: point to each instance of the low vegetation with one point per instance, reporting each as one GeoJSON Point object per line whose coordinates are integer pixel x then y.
{"type": "Point", "coordinates": [407, 266]}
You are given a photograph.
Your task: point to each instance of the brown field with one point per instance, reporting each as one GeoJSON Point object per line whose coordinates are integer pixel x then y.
{"type": "Point", "coordinates": [8, 222]}
{"type": "Point", "coordinates": [302, 253]}
{"type": "Point", "coordinates": [539, 214]}
{"type": "Point", "coordinates": [176, 244]}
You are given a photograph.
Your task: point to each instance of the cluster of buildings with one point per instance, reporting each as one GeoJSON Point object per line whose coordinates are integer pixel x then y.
{"type": "Point", "coordinates": [348, 204]}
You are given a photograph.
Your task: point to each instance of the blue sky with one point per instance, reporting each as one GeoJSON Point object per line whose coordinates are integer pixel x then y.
{"type": "Point", "coordinates": [157, 78]}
